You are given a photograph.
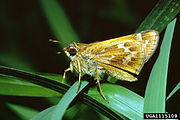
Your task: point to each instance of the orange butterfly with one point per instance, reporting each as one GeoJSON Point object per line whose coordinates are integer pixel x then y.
{"type": "Point", "coordinates": [116, 57]}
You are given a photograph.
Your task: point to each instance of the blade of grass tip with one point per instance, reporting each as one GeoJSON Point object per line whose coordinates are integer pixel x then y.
{"type": "Point", "coordinates": [45, 114]}
{"type": "Point", "coordinates": [25, 113]}
{"type": "Point", "coordinates": [155, 94]}
{"type": "Point", "coordinates": [58, 21]}
{"type": "Point", "coordinates": [174, 90]}
{"type": "Point", "coordinates": [67, 99]}
{"type": "Point", "coordinates": [162, 14]}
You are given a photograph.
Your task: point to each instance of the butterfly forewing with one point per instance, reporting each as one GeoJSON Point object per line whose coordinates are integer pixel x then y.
{"type": "Point", "coordinates": [148, 39]}
{"type": "Point", "coordinates": [126, 55]}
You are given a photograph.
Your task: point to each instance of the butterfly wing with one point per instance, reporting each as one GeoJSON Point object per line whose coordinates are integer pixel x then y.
{"type": "Point", "coordinates": [148, 39]}
{"type": "Point", "coordinates": [118, 73]}
{"type": "Point", "coordinates": [125, 55]}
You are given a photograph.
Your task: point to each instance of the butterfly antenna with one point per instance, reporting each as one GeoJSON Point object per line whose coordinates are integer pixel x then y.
{"type": "Point", "coordinates": [59, 52]}
{"type": "Point", "coordinates": [51, 40]}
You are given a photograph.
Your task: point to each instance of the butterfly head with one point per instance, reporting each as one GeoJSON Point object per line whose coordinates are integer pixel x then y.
{"type": "Point", "coordinates": [71, 50]}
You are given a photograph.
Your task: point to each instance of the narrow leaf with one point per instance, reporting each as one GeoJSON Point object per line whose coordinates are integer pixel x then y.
{"type": "Point", "coordinates": [59, 87]}
{"type": "Point", "coordinates": [34, 78]}
{"type": "Point", "coordinates": [161, 15]}
{"type": "Point", "coordinates": [22, 88]}
{"type": "Point", "coordinates": [155, 93]}
{"type": "Point", "coordinates": [121, 100]}
{"type": "Point", "coordinates": [58, 21]}
{"type": "Point", "coordinates": [67, 99]}
{"type": "Point", "coordinates": [15, 59]}
{"type": "Point", "coordinates": [174, 91]}
{"type": "Point", "coordinates": [45, 114]}
{"type": "Point", "coordinates": [23, 112]}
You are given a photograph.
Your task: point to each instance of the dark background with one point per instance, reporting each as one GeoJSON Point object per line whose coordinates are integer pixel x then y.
{"type": "Point", "coordinates": [24, 34]}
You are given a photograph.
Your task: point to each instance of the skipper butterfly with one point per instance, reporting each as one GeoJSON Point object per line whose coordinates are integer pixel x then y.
{"type": "Point", "coordinates": [116, 57]}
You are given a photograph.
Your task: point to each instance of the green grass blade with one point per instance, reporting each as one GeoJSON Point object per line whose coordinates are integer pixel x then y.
{"type": "Point", "coordinates": [34, 78]}
{"type": "Point", "coordinates": [45, 114]}
{"type": "Point", "coordinates": [15, 59]}
{"type": "Point", "coordinates": [22, 88]}
{"type": "Point", "coordinates": [25, 113]}
{"type": "Point", "coordinates": [67, 99]}
{"type": "Point", "coordinates": [174, 91]}
{"type": "Point", "coordinates": [58, 21]}
{"type": "Point", "coordinates": [57, 112]}
{"type": "Point", "coordinates": [121, 100]}
{"type": "Point", "coordinates": [155, 94]}
{"type": "Point", "coordinates": [59, 87]}
{"type": "Point", "coordinates": [161, 15]}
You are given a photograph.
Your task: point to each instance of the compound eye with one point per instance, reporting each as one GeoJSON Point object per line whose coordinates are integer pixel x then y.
{"type": "Point", "coordinates": [72, 51]}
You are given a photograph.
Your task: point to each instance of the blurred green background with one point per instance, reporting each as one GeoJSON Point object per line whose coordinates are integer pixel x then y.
{"type": "Point", "coordinates": [25, 31]}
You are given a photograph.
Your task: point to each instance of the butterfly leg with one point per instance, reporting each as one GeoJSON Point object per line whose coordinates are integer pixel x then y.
{"type": "Point", "coordinates": [97, 77]}
{"type": "Point", "coordinates": [79, 68]}
{"type": "Point", "coordinates": [75, 67]}
{"type": "Point", "coordinates": [64, 75]}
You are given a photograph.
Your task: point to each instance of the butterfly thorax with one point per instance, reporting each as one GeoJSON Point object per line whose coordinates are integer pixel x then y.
{"type": "Point", "coordinates": [87, 65]}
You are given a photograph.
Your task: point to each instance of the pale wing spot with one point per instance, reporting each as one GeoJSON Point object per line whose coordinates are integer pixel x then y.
{"type": "Point", "coordinates": [124, 61]}
{"type": "Point", "coordinates": [128, 57]}
{"type": "Point", "coordinates": [157, 38]}
{"type": "Point", "coordinates": [139, 36]}
{"type": "Point", "coordinates": [126, 49]}
{"type": "Point", "coordinates": [144, 45]}
{"type": "Point", "coordinates": [133, 54]}
{"type": "Point", "coordinates": [113, 56]}
{"type": "Point", "coordinates": [103, 50]}
{"type": "Point", "coordinates": [120, 46]}
{"type": "Point", "coordinates": [146, 42]}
